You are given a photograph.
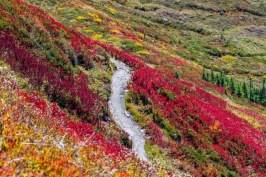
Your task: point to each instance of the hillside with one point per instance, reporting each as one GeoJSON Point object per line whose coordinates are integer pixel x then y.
{"type": "Point", "coordinates": [198, 87]}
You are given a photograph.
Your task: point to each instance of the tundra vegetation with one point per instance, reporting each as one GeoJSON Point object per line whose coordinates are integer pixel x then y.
{"type": "Point", "coordinates": [198, 87]}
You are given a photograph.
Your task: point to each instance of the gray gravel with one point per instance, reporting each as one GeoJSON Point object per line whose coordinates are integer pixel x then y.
{"type": "Point", "coordinates": [117, 107]}
{"type": "Point", "coordinates": [123, 118]}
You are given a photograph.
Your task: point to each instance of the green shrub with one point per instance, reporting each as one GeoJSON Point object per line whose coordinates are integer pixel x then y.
{"type": "Point", "coordinates": [4, 23]}
{"type": "Point", "coordinates": [196, 154]}
{"type": "Point", "coordinates": [130, 45]}
{"type": "Point", "coordinates": [167, 127]}
{"type": "Point", "coordinates": [124, 140]}
{"type": "Point", "coordinates": [167, 93]}
{"type": "Point", "coordinates": [177, 75]}
{"type": "Point", "coordinates": [194, 46]}
{"type": "Point", "coordinates": [170, 94]}
{"type": "Point", "coordinates": [153, 151]}
{"type": "Point", "coordinates": [215, 157]}
{"type": "Point", "coordinates": [231, 174]}
{"type": "Point", "coordinates": [174, 39]}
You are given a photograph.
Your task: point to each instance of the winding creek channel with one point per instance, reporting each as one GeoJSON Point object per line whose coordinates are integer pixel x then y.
{"type": "Point", "coordinates": [123, 118]}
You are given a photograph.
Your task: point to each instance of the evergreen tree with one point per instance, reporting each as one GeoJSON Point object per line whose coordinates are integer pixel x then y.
{"type": "Point", "coordinates": [251, 96]}
{"type": "Point", "coordinates": [207, 77]}
{"type": "Point", "coordinates": [256, 99]}
{"type": "Point", "coordinates": [245, 90]}
{"type": "Point", "coordinates": [218, 81]}
{"type": "Point", "coordinates": [239, 92]}
{"type": "Point", "coordinates": [258, 95]}
{"type": "Point", "coordinates": [226, 81]}
{"type": "Point", "coordinates": [232, 86]}
{"type": "Point", "coordinates": [222, 80]}
{"type": "Point", "coordinates": [222, 37]}
{"type": "Point", "coordinates": [239, 89]}
{"type": "Point", "coordinates": [204, 74]}
{"type": "Point", "coordinates": [177, 75]}
{"type": "Point", "coordinates": [212, 76]}
{"type": "Point", "coordinates": [263, 93]}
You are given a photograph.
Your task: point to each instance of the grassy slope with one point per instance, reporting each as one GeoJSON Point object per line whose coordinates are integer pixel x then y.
{"type": "Point", "coordinates": [38, 137]}
{"type": "Point", "coordinates": [164, 44]}
{"type": "Point", "coordinates": [160, 44]}
{"type": "Point", "coordinates": [239, 33]}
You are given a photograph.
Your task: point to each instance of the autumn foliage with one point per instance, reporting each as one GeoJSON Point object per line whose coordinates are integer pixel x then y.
{"type": "Point", "coordinates": [58, 129]}
{"type": "Point", "coordinates": [202, 119]}
{"type": "Point", "coordinates": [37, 138]}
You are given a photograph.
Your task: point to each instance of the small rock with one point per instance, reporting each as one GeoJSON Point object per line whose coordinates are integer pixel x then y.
{"type": "Point", "coordinates": [165, 20]}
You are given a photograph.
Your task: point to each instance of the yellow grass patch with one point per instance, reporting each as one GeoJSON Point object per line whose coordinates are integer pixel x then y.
{"type": "Point", "coordinates": [138, 44]}
{"type": "Point", "coordinates": [81, 17]}
{"type": "Point", "coordinates": [89, 31]}
{"type": "Point", "coordinates": [95, 17]}
{"type": "Point", "coordinates": [143, 52]}
{"type": "Point", "coordinates": [253, 121]}
{"type": "Point", "coordinates": [61, 8]}
{"type": "Point", "coordinates": [113, 23]}
{"type": "Point", "coordinates": [115, 31]}
{"type": "Point", "coordinates": [113, 38]}
{"type": "Point", "coordinates": [228, 58]}
{"type": "Point", "coordinates": [97, 36]}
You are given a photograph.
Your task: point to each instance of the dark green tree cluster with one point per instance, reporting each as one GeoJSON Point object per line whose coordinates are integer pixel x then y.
{"type": "Point", "coordinates": [241, 90]}
{"type": "Point", "coordinates": [177, 75]}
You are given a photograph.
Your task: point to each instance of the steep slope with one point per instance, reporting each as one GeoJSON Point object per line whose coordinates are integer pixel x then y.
{"type": "Point", "coordinates": [42, 61]}
{"type": "Point", "coordinates": [192, 125]}
{"type": "Point", "coordinates": [37, 138]}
